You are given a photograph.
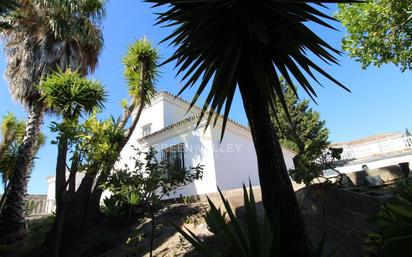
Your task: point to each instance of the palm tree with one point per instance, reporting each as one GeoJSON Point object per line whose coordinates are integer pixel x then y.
{"type": "Point", "coordinates": [43, 35]}
{"type": "Point", "coordinates": [70, 95]}
{"type": "Point", "coordinates": [140, 72]}
{"type": "Point", "coordinates": [141, 64]}
{"type": "Point", "coordinates": [12, 132]}
{"type": "Point", "coordinates": [248, 45]}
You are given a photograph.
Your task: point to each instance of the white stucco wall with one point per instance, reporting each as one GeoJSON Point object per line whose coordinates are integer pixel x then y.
{"type": "Point", "coordinates": [235, 158]}
{"type": "Point", "coordinates": [197, 150]}
{"type": "Point", "coordinates": [152, 114]}
{"type": "Point", "coordinates": [174, 111]}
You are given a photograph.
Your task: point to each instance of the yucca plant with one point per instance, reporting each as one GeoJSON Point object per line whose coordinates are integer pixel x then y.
{"type": "Point", "coordinates": [247, 45]}
{"type": "Point", "coordinates": [71, 96]}
{"type": "Point", "coordinates": [253, 239]}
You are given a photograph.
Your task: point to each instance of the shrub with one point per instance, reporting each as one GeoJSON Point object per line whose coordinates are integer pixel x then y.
{"type": "Point", "coordinates": [394, 236]}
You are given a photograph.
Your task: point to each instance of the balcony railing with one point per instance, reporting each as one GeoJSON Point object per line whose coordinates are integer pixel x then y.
{"type": "Point", "coordinates": [382, 147]}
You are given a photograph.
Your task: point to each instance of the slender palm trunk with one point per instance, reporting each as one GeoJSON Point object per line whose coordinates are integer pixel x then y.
{"type": "Point", "coordinates": [4, 197]}
{"type": "Point", "coordinates": [94, 206]}
{"type": "Point", "coordinates": [61, 171]}
{"type": "Point", "coordinates": [278, 196]}
{"type": "Point", "coordinates": [152, 233]}
{"type": "Point", "coordinates": [12, 219]}
{"type": "Point", "coordinates": [55, 235]}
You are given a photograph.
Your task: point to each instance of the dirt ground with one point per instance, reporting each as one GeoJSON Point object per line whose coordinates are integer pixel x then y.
{"type": "Point", "coordinates": [134, 240]}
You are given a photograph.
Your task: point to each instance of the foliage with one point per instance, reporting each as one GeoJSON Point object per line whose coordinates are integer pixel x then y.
{"type": "Point", "coordinates": [300, 127]}
{"type": "Point", "coordinates": [256, 240]}
{"type": "Point", "coordinates": [307, 170]}
{"type": "Point", "coordinates": [93, 140]}
{"type": "Point", "coordinates": [394, 236]}
{"type": "Point", "coordinates": [124, 200]}
{"type": "Point", "coordinates": [36, 233]}
{"type": "Point", "coordinates": [12, 133]}
{"type": "Point", "coordinates": [301, 130]}
{"type": "Point", "coordinates": [221, 39]}
{"type": "Point", "coordinates": [141, 58]}
{"type": "Point", "coordinates": [250, 239]}
{"type": "Point", "coordinates": [148, 181]}
{"type": "Point", "coordinates": [44, 35]}
{"type": "Point", "coordinates": [378, 32]}
{"type": "Point", "coordinates": [69, 94]}
{"type": "Point", "coordinates": [6, 6]}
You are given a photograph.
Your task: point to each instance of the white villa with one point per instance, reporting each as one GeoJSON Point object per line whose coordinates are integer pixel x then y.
{"type": "Point", "coordinates": [168, 127]}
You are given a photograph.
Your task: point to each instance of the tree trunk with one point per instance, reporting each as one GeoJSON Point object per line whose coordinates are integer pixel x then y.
{"type": "Point", "coordinates": [12, 219]}
{"type": "Point", "coordinates": [278, 196]}
{"type": "Point", "coordinates": [61, 171]}
{"type": "Point", "coordinates": [4, 196]}
{"type": "Point", "coordinates": [55, 235]}
{"type": "Point", "coordinates": [93, 211]}
{"type": "Point", "coordinates": [94, 205]}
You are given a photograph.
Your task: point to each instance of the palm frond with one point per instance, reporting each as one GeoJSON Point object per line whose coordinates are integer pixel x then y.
{"type": "Point", "coordinates": [139, 52]}
{"type": "Point", "coordinates": [218, 40]}
{"type": "Point", "coordinates": [50, 34]}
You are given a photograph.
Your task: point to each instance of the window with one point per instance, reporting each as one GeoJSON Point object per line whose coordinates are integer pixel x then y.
{"type": "Point", "coordinates": [146, 129]}
{"type": "Point", "coordinates": [175, 156]}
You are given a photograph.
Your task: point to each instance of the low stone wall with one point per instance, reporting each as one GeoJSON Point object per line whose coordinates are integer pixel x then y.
{"type": "Point", "coordinates": [345, 208]}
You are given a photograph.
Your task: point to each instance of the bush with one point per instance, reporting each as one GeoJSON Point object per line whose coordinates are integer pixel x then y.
{"type": "Point", "coordinates": [30, 246]}
{"type": "Point", "coordinates": [254, 239]}
{"type": "Point", "coordinates": [394, 236]}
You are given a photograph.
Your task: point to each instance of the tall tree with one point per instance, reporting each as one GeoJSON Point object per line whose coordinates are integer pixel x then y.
{"type": "Point", "coordinates": [104, 140]}
{"type": "Point", "coordinates": [70, 96]}
{"type": "Point", "coordinates": [378, 32]}
{"type": "Point", "coordinates": [246, 45]}
{"type": "Point", "coordinates": [43, 35]}
{"type": "Point", "coordinates": [301, 130]}
{"type": "Point", "coordinates": [140, 72]}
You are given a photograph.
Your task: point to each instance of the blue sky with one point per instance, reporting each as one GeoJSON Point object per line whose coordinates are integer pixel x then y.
{"type": "Point", "coordinates": [380, 100]}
